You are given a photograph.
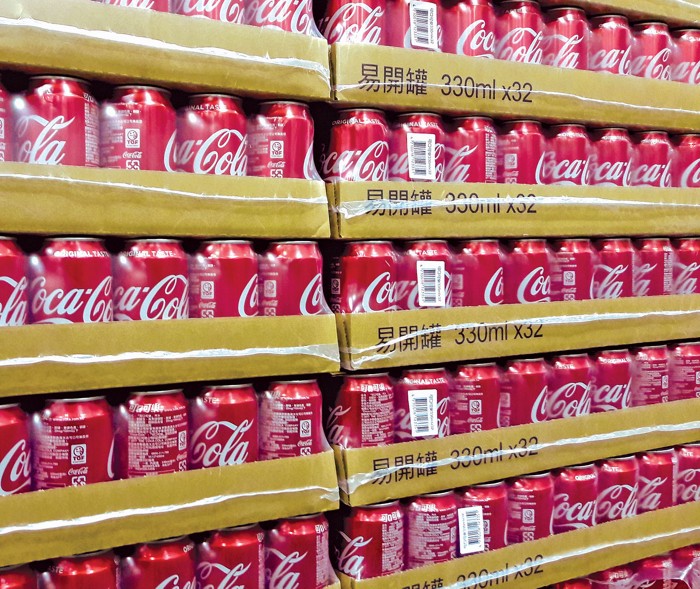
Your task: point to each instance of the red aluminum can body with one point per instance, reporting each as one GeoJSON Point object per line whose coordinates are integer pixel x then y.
{"type": "Point", "coordinates": [291, 420]}
{"type": "Point", "coordinates": [575, 498]}
{"type": "Point", "coordinates": [292, 16]}
{"type": "Point", "coordinates": [566, 41]}
{"type": "Point", "coordinates": [621, 577]}
{"type": "Point", "coordinates": [347, 21]}
{"type": "Point", "coordinates": [611, 45]}
{"type": "Point", "coordinates": [230, 11]}
{"type": "Point", "coordinates": [87, 571]}
{"type": "Point", "coordinates": [573, 278]}
{"type": "Point", "coordinates": [168, 564]}
{"type": "Point", "coordinates": [151, 433]}
{"type": "Point", "coordinates": [363, 414]}
{"type": "Point", "coordinates": [618, 488]}
{"type": "Point", "coordinates": [520, 32]}
{"type": "Point", "coordinates": [612, 152]}
{"type": "Point", "coordinates": [653, 269]}
{"type": "Point", "coordinates": [652, 51]}
{"type": "Point", "coordinates": [224, 427]}
{"type": "Point", "coordinates": [137, 130]}
{"type": "Point", "coordinates": [521, 148]}
{"type": "Point", "coordinates": [688, 480]}
{"type": "Point", "coordinates": [475, 398]}
{"type": "Point", "coordinates": [431, 529]}
{"type": "Point", "coordinates": [686, 56]}
{"type": "Point", "coordinates": [571, 378]}
{"type": "Point", "coordinates": [414, 26]}
{"type": "Point", "coordinates": [686, 163]}
{"type": "Point", "coordinates": [18, 577]}
{"type": "Point", "coordinates": [471, 151]}
{"type": "Point", "coordinates": [223, 279]}
{"type": "Point", "coordinates": [650, 375]}
{"type": "Point", "coordinates": [469, 28]}
{"type": "Point", "coordinates": [685, 372]}
{"type": "Point", "coordinates": [567, 160]}
{"type": "Point", "coordinates": [652, 160]}
{"type": "Point", "coordinates": [612, 390]}
{"type": "Point", "coordinates": [70, 281]}
{"type": "Point", "coordinates": [655, 571]}
{"type": "Point", "coordinates": [478, 273]}
{"type": "Point", "coordinates": [14, 295]}
{"type": "Point", "coordinates": [529, 268]}
{"type": "Point", "coordinates": [658, 476]}
{"type": "Point", "coordinates": [417, 148]}
{"type": "Point", "coordinates": [15, 451]}
{"type": "Point", "coordinates": [530, 508]}
{"type": "Point", "coordinates": [421, 405]}
{"type": "Point", "coordinates": [493, 500]}
{"type": "Point", "coordinates": [574, 584]}
{"type": "Point", "coordinates": [687, 559]}
{"type": "Point", "coordinates": [686, 271]}
{"type": "Point", "coordinates": [6, 127]}
{"type": "Point", "coordinates": [234, 557]}
{"type": "Point", "coordinates": [425, 275]}
{"type": "Point", "coordinates": [612, 278]}
{"type": "Point", "coordinates": [159, 5]}
{"type": "Point", "coordinates": [525, 392]}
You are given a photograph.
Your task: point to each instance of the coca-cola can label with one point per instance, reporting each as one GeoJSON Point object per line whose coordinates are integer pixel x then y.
{"type": "Point", "coordinates": [490, 505]}
{"type": "Point", "coordinates": [611, 159]}
{"type": "Point", "coordinates": [228, 11]}
{"type": "Point", "coordinates": [613, 276]}
{"type": "Point", "coordinates": [521, 147]}
{"type": "Point", "coordinates": [417, 148]}
{"type": "Point", "coordinates": [525, 392]}
{"type": "Point", "coordinates": [652, 51]}
{"type": "Point", "coordinates": [529, 269]}
{"type": "Point", "coordinates": [684, 372]}
{"type": "Point", "coordinates": [421, 405]}
{"type": "Point", "coordinates": [159, 5]}
{"type": "Point", "coordinates": [348, 21]}
{"type": "Point", "coordinates": [686, 56]}
{"type": "Point", "coordinates": [475, 399]}
{"type": "Point", "coordinates": [686, 163]}
{"type": "Point", "coordinates": [611, 45]}
{"type": "Point", "coordinates": [415, 24]}
{"type": "Point", "coordinates": [566, 40]}
{"type": "Point", "coordinates": [686, 268]}
{"type": "Point", "coordinates": [652, 160]}
{"type": "Point", "coordinates": [471, 151]}
{"type": "Point", "coordinates": [653, 268]}
{"type": "Point", "coordinates": [530, 508]}
{"type": "Point", "coordinates": [688, 477]}
{"type": "Point", "coordinates": [14, 286]}
{"type": "Point", "coordinates": [612, 389]}
{"type": "Point", "coordinates": [650, 376]}
{"type": "Point", "coordinates": [520, 32]}
{"type": "Point", "coordinates": [478, 274]}
{"type": "Point", "coordinates": [169, 564]}
{"type": "Point", "coordinates": [431, 529]}
{"type": "Point", "coordinates": [618, 488]}
{"type": "Point", "coordinates": [6, 127]}
{"type": "Point", "coordinates": [570, 382]}
{"type": "Point", "coordinates": [575, 498]}
{"type": "Point", "coordinates": [470, 28]}
{"type": "Point", "coordinates": [232, 558]}
{"type": "Point", "coordinates": [658, 476]}
{"type": "Point", "coordinates": [15, 451]}
{"type": "Point", "coordinates": [293, 16]}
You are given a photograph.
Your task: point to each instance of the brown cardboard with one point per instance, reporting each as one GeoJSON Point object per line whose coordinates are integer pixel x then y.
{"type": "Point", "coordinates": [468, 333]}
{"type": "Point", "coordinates": [53, 358]}
{"type": "Point", "coordinates": [61, 522]}
{"type": "Point", "coordinates": [533, 91]}
{"type": "Point", "coordinates": [67, 199]}
{"type": "Point", "coordinates": [674, 12]}
{"type": "Point", "coordinates": [558, 558]}
{"type": "Point", "coordinates": [110, 43]}
{"type": "Point", "coordinates": [480, 457]}
{"type": "Point", "coordinates": [372, 210]}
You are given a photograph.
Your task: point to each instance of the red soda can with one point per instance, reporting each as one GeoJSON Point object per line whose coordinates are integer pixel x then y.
{"type": "Point", "coordinates": [363, 414]}
{"type": "Point", "coordinates": [6, 127]}
{"type": "Point", "coordinates": [281, 141]}
{"type": "Point", "coordinates": [471, 151]}
{"type": "Point", "coordinates": [292, 16]}
{"type": "Point", "coordinates": [650, 375]}
{"type": "Point", "coordinates": [371, 543]}
{"type": "Point", "coordinates": [621, 577]}
{"type": "Point", "coordinates": [234, 557]}
{"type": "Point", "coordinates": [475, 398]}
{"type": "Point", "coordinates": [653, 269]}
{"type": "Point", "coordinates": [567, 161]}
{"type": "Point", "coordinates": [469, 28]}
{"type": "Point", "coordinates": [651, 51]}
{"type": "Point", "coordinates": [159, 5]}
{"type": "Point", "coordinates": [612, 153]}
{"type": "Point", "coordinates": [425, 275]}
{"type": "Point", "coordinates": [291, 420]}
{"type": "Point", "coordinates": [528, 272]}
{"type": "Point", "coordinates": [574, 584]}
{"type": "Point", "coordinates": [688, 480]}
{"type": "Point", "coordinates": [224, 427]}
{"type": "Point", "coordinates": [431, 529]}
{"type": "Point", "coordinates": [686, 56]}
{"type": "Point", "coordinates": [421, 405]}
{"type": "Point", "coordinates": [167, 564]}
{"type": "Point", "coordinates": [530, 508]}
{"type": "Point", "coordinates": [687, 561]}
{"type": "Point", "coordinates": [685, 372]}
{"type": "Point", "coordinates": [611, 44]}
{"type": "Point", "coordinates": [414, 24]}
{"type": "Point", "coordinates": [612, 389]}
{"type": "Point", "coordinates": [686, 163]}
{"type": "Point", "coordinates": [417, 148]}
{"type": "Point", "coordinates": [211, 136]}
{"type": "Point", "coordinates": [17, 577]}
{"type": "Point", "coordinates": [618, 488]}
{"type": "Point", "coordinates": [652, 160]}
{"type": "Point", "coordinates": [291, 279]}
{"type": "Point", "coordinates": [230, 11]}
{"type": "Point", "coordinates": [520, 32]}
{"type": "Point", "coordinates": [478, 273]}
{"type": "Point", "coordinates": [348, 21]}
{"type": "Point", "coordinates": [573, 279]}
{"type": "Point", "coordinates": [56, 122]}
{"type": "Point", "coordinates": [655, 571]}
{"type": "Point", "coordinates": [658, 473]}
{"type": "Point", "coordinates": [566, 41]}
{"type": "Point", "coordinates": [521, 147]}
{"type": "Point", "coordinates": [612, 278]}
{"type": "Point", "coordinates": [224, 280]}
{"type": "Point", "coordinates": [97, 569]}
{"type": "Point", "coordinates": [525, 392]}
{"type": "Point", "coordinates": [359, 146]}
{"type": "Point", "coordinates": [686, 271]}
{"type": "Point", "coordinates": [570, 382]}
{"type": "Point", "coordinates": [151, 434]}
{"type": "Point", "coordinates": [14, 298]}
{"type": "Point", "coordinates": [296, 553]}
{"type": "Point", "coordinates": [492, 498]}
{"type": "Point", "coordinates": [575, 498]}
{"type": "Point", "coordinates": [137, 130]}
{"type": "Point", "coordinates": [15, 451]}
{"type": "Point", "coordinates": [364, 278]}
{"type": "Point", "coordinates": [151, 281]}
{"type": "Point", "coordinates": [70, 281]}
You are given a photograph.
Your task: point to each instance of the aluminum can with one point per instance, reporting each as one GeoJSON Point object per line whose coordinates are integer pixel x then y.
{"type": "Point", "coordinates": [6, 127]}
{"type": "Point", "coordinates": [612, 278]}
{"type": "Point", "coordinates": [521, 147]}
{"type": "Point", "coordinates": [281, 141]}
{"type": "Point", "coordinates": [520, 32]}
{"type": "Point", "coordinates": [234, 557]}
{"type": "Point", "coordinates": [70, 281]}
{"type": "Point", "coordinates": [686, 56]}
{"type": "Point", "coordinates": [530, 508]}
{"type": "Point", "coordinates": [363, 414]}
{"type": "Point", "coordinates": [475, 398]}
{"type": "Point", "coordinates": [653, 269]}
{"type": "Point", "coordinates": [291, 280]}
{"type": "Point", "coordinates": [292, 16]}
{"type": "Point", "coordinates": [425, 275]}
{"type": "Point", "coordinates": [223, 426]}
{"type": "Point", "coordinates": [570, 381]}
{"type": "Point", "coordinates": [372, 541]}
{"type": "Point", "coordinates": [492, 498]}
{"type": "Point", "coordinates": [611, 44]}
{"type": "Point", "coordinates": [687, 561]}
{"type": "Point", "coordinates": [15, 451]}
{"type": "Point", "coordinates": [168, 564]}
{"type": "Point", "coordinates": [297, 549]}
{"type": "Point", "coordinates": [211, 136]}
{"type": "Point", "coordinates": [291, 420]}
{"type": "Point", "coordinates": [575, 498]}
{"type": "Point", "coordinates": [529, 268]}
{"type": "Point", "coordinates": [229, 11]}
{"type": "Point", "coordinates": [573, 279]}
{"type": "Point", "coordinates": [469, 28]}
{"type": "Point", "coordinates": [223, 279]}
{"type": "Point", "coordinates": [421, 405]}
{"type": "Point", "coordinates": [159, 5]}
{"type": "Point", "coordinates": [431, 529]}
{"type": "Point", "coordinates": [621, 577]}
{"type": "Point", "coordinates": [417, 148]}
{"type": "Point", "coordinates": [652, 51]}
{"type": "Point", "coordinates": [574, 584]}
{"type": "Point", "coordinates": [658, 476]}
{"type": "Point", "coordinates": [471, 151]}
{"type": "Point", "coordinates": [686, 271]}
{"type": "Point", "coordinates": [524, 392]}
{"type": "Point", "coordinates": [655, 571]}
{"type": "Point", "coordinates": [612, 153]}
{"type": "Point", "coordinates": [151, 434]}
{"type": "Point", "coordinates": [414, 24]}
{"type": "Point", "coordinates": [650, 375]}
{"type": "Point", "coordinates": [56, 123]}
{"type": "Point", "coordinates": [478, 273]}
{"type": "Point", "coordinates": [612, 389]}
{"type": "Point", "coordinates": [348, 21]}
{"type": "Point", "coordinates": [566, 41]}
{"type": "Point", "coordinates": [688, 481]}
{"type": "Point", "coordinates": [18, 577]}
{"type": "Point", "coordinates": [652, 160]}
{"type": "Point", "coordinates": [686, 163]}
{"type": "Point", "coordinates": [567, 160]}
{"type": "Point", "coordinates": [87, 571]}
{"type": "Point", "coordinates": [685, 372]}
{"type": "Point", "coordinates": [364, 278]}
{"type": "Point", "coordinates": [137, 130]}
{"type": "Point", "coordinates": [14, 295]}
{"type": "Point", "coordinates": [618, 488]}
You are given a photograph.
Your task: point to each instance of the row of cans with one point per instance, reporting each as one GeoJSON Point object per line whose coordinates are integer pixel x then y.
{"type": "Point", "coordinates": [383, 539]}
{"type": "Point", "coordinates": [77, 280]}
{"type": "Point", "coordinates": [374, 276]}
{"type": "Point", "coordinates": [75, 442]}
{"type": "Point", "coordinates": [291, 553]}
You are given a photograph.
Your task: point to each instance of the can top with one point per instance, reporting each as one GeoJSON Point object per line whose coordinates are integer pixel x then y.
{"type": "Point", "coordinates": [535, 359]}
{"type": "Point", "coordinates": [91, 554]}
{"type": "Point", "coordinates": [363, 109]}
{"type": "Point", "coordinates": [660, 451]}
{"type": "Point", "coordinates": [307, 516]}
{"type": "Point", "coordinates": [424, 370]}
{"type": "Point", "coordinates": [645, 23]}
{"type": "Point", "coordinates": [437, 494]}
{"type": "Point", "coordinates": [294, 242]}
{"type": "Point", "coordinates": [164, 540]}
{"type": "Point", "coordinates": [78, 400]}
{"type": "Point", "coordinates": [214, 95]}
{"type": "Point", "coordinates": [245, 385]}
{"type": "Point", "coordinates": [478, 365]}
{"type": "Point", "coordinates": [238, 528]}
{"type": "Point", "coordinates": [9, 405]}
{"type": "Point", "coordinates": [152, 393]}
{"type": "Point", "coordinates": [371, 375]}
{"type": "Point", "coordinates": [76, 238]}
{"type": "Point", "coordinates": [609, 15]}
{"type": "Point", "coordinates": [560, 8]}
{"type": "Point", "coordinates": [473, 117]}
{"type": "Point", "coordinates": [298, 102]}
{"type": "Point", "coordinates": [414, 113]}
{"type": "Point", "coordinates": [488, 485]}
{"type": "Point", "coordinates": [391, 503]}
{"type": "Point", "coordinates": [300, 381]}
{"type": "Point", "coordinates": [153, 240]}
{"type": "Point", "coordinates": [537, 475]}
{"type": "Point", "coordinates": [225, 241]}
{"type": "Point", "coordinates": [142, 87]}
{"type": "Point", "coordinates": [6, 238]}
{"type": "Point", "coordinates": [58, 77]}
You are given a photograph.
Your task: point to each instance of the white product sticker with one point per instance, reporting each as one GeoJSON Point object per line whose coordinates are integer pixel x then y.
{"type": "Point", "coordinates": [421, 156]}
{"type": "Point", "coordinates": [423, 408]}
{"type": "Point", "coordinates": [431, 283]}
{"type": "Point", "coordinates": [471, 530]}
{"type": "Point", "coordinates": [424, 27]}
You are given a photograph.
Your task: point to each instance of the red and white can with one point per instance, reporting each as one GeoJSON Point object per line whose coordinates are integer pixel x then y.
{"type": "Point", "coordinates": [520, 32]}
{"type": "Point", "coordinates": [611, 44]}
{"type": "Point", "coordinates": [469, 28]}
{"type": "Point", "coordinates": [525, 392]}
{"type": "Point", "coordinates": [686, 271]}
{"type": "Point", "coordinates": [567, 160]}
{"type": "Point", "coordinates": [655, 571]}
{"type": "Point", "coordinates": [6, 127]}
{"type": "Point", "coordinates": [618, 488]}
{"type": "Point", "coordinates": [652, 160]}
{"type": "Point", "coordinates": [650, 375]}
{"type": "Point", "coordinates": [223, 279]}
{"type": "Point", "coordinates": [417, 148]}
{"type": "Point", "coordinates": [685, 372]}
{"type": "Point", "coordinates": [612, 278]}
{"type": "Point", "coordinates": [431, 529]}
{"type": "Point", "coordinates": [14, 295]}
{"type": "Point", "coordinates": [475, 398]}
{"type": "Point", "coordinates": [687, 561]}
{"type": "Point", "coordinates": [421, 405]}
{"type": "Point", "coordinates": [292, 16]}
{"type": "Point", "coordinates": [529, 268]}
{"type": "Point", "coordinates": [425, 275]}
{"type": "Point", "coordinates": [652, 51]}
{"type": "Point", "coordinates": [471, 151]}
{"type": "Point", "coordinates": [573, 584]}
{"type": "Point", "coordinates": [168, 564]}
{"type": "Point", "coordinates": [612, 389]}
{"type": "Point", "coordinates": [575, 498]}
{"type": "Point", "coordinates": [658, 475]}
{"type": "Point", "coordinates": [291, 420]}
{"type": "Point", "coordinates": [414, 24]}
{"type": "Point", "coordinates": [576, 261]}
{"type": "Point", "coordinates": [611, 159]}
{"type": "Point", "coordinates": [566, 41]}
{"type": "Point", "coordinates": [229, 11]}
{"type": "Point", "coordinates": [234, 557]}
{"type": "Point", "coordinates": [686, 56]}
{"type": "Point", "coordinates": [224, 426]}
{"type": "Point", "coordinates": [653, 269]}
{"type": "Point", "coordinates": [151, 434]}
{"type": "Point", "coordinates": [159, 5]}
{"type": "Point", "coordinates": [621, 577]}
{"type": "Point", "coordinates": [18, 577]}
{"type": "Point", "coordinates": [688, 480]}
{"type": "Point", "coordinates": [478, 273]}
{"type": "Point", "coordinates": [137, 129]}
{"type": "Point", "coordinates": [492, 498]}
{"type": "Point", "coordinates": [686, 163]}
{"type": "Point", "coordinates": [15, 451]}
{"type": "Point", "coordinates": [70, 281]}
{"type": "Point", "coordinates": [98, 569]}
{"type": "Point", "coordinates": [570, 381]}
{"type": "Point", "coordinates": [350, 21]}
{"type": "Point", "coordinates": [56, 122]}
{"type": "Point", "coordinates": [530, 508]}
{"type": "Point", "coordinates": [521, 147]}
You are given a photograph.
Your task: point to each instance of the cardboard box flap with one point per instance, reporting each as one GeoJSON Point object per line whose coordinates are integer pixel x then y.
{"type": "Point", "coordinates": [673, 12]}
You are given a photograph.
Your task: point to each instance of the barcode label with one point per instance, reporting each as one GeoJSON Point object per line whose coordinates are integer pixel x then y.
{"type": "Point", "coordinates": [423, 408]}
{"type": "Point", "coordinates": [431, 283]}
{"type": "Point", "coordinates": [471, 530]}
{"type": "Point", "coordinates": [424, 29]}
{"type": "Point", "coordinates": [421, 156]}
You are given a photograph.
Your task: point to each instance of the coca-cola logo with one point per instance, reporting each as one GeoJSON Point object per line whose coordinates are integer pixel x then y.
{"type": "Point", "coordinates": [380, 294]}
{"type": "Point", "coordinates": [535, 287]}
{"type": "Point", "coordinates": [14, 312]}
{"type": "Point", "coordinates": [248, 302]}
{"type": "Point", "coordinates": [459, 164]}
{"type": "Point", "coordinates": [550, 170]}
{"type": "Point", "coordinates": [521, 44]}
{"type": "Point", "coordinates": [657, 66]}
{"type": "Point", "coordinates": [612, 173]}
{"type": "Point", "coordinates": [49, 144]}
{"type": "Point", "coordinates": [354, 22]}
{"type": "Point", "coordinates": [312, 301]}
{"type": "Point", "coordinates": [334, 429]}
{"type": "Point", "coordinates": [369, 165]}
{"type": "Point", "coordinates": [611, 397]}
{"type": "Point", "coordinates": [538, 414]}
{"type": "Point", "coordinates": [222, 153]}
{"type": "Point", "coordinates": [617, 502]}
{"type": "Point", "coordinates": [351, 561]}
{"type": "Point", "coordinates": [208, 451]}
{"type": "Point", "coordinates": [286, 574]}
{"type": "Point", "coordinates": [688, 489]}
{"type": "Point", "coordinates": [293, 15]}
{"type": "Point", "coordinates": [230, 11]}
{"type": "Point", "coordinates": [212, 575]}
{"type": "Point", "coordinates": [68, 306]}
{"type": "Point", "coordinates": [686, 280]}
{"type": "Point", "coordinates": [614, 60]}
{"type": "Point", "coordinates": [642, 284]}
{"type": "Point", "coordinates": [476, 41]}
{"type": "Point", "coordinates": [493, 293]}
{"type": "Point", "coordinates": [651, 494]}
{"type": "Point", "coordinates": [690, 178]}
{"type": "Point", "coordinates": [310, 172]}
{"type": "Point", "coordinates": [686, 71]}
{"type": "Point", "coordinates": [568, 54]}
{"type": "Point", "coordinates": [570, 400]}
{"type": "Point", "coordinates": [167, 299]}
{"type": "Point", "coordinates": [652, 175]}
{"type": "Point", "coordinates": [15, 469]}
{"type": "Point", "coordinates": [173, 582]}
{"type": "Point", "coordinates": [608, 281]}
{"type": "Point", "coordinates": [573, 515]}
